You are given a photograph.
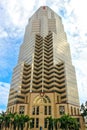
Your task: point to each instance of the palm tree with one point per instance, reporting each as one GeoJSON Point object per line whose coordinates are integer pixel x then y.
{"type": "Point", "coordinates": [56, 123]}
{"type": "Point", "coordinates": [84, 109]}
{"type": "Point", "coordinates": [68, 123]}
{"type": "Point", "coordinates": [16, 121]}
{"type": "Point", "coordinates": [73, 124]}
{"type": "Point", "coordinates": [52, 123]}
{"type": "Point", "coordinates": [5, 119]}
{"type": "Point", "coordinates": [28, 121]}
{"type": "Point", "coordinates": [13, 121]}
{"type": "Point", "coordinates": [2, 115]}
{"type": "Point", "coordinates": [64, 122]}
{"type": "Point", "coordinates": [19, 121]}
{"type": "Point", "coordinates": [23, 119]}
{"type": "Point", "coordinates": [1, 121]}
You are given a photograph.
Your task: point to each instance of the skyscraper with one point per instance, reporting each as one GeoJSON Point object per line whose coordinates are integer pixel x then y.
{"type": "Point", "coordinates": [44, 81]}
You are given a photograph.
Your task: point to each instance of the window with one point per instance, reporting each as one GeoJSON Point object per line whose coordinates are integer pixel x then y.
{"type": "Point", "coordinates": [49, 107]}
{"type": "Point", "coordinates": [33, 111]}
{"type": "Point", "coordinates": [45, 110]}
{"type": "Point", "coordinates": [37, 110]}
{"type": "Point", "coordinates": [57, 99]}
{"type": "Point", "coordinates": [74, 111]}
{"type": "Point", "coordinates": [78, 111]}
{"type": "Point", "coordinates": [33, 120]}
{"type": "Point", "coordinates": [21, 110]}
{"type": "Point", "coordinates": [37, 123]}
{"type": "Point", "coordinates": [13, 109]}
{"type": "Point", "coordinates": [45, 123]}
{"type": "Point", "coordinates": [48, 99]}
{"type": "Point", "coordinates": [61, 110]}
{"type": "Point", "coordinates": [10, 110]}
{"type": "Point", "coordinates": [71, 111]}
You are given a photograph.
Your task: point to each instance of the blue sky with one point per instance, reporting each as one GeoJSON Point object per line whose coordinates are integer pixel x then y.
{"type": "Point", "coordinates": [14, 16]}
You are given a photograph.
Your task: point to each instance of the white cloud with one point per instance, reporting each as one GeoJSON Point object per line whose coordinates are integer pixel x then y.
{"type": "Point", "coordinates": [3, 33]}
{"type": "Point", "coordinates": [41, 3]}
{"type": "Point", "coordinates": [4, 90]}
{"type": "Point", "coordinates": [82, 81]}
{"type": "Point", "coordinates": [18, 10]}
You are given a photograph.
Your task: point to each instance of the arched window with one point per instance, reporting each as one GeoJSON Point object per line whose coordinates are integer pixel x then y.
{"type": "Point", "coordinates": [74, 111]}
{"type": "Point", "coordinates": [39, 99]}
{"type": "Point", "coordinates": [71, 111]}
{"type": "Point", "coordinates": [78, 111]}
